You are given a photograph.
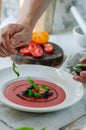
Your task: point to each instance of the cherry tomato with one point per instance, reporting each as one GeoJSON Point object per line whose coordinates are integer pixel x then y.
{"type": "Point", "coordinates": [48, 47]}
{"type": "Point", "coordinates": [25, 51]}
{"type": "Point", "coordinates": [34, 90]}
{"type": "Point", "coordinates": [36, 49]}
{"type": "Point", "coordinates": [37, 52]}
{"type": "Point", "coordinates": [32, 45]}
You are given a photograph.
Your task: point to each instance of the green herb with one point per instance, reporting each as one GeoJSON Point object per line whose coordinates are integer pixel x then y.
{"type": "Point", "coordinates": [79, 67]}
{"type": "Point", "coordinates": [29, 93]}
{"type": "Point", "coordinates": [37, 95]}
{"type": "Point", "coordinates": [24, 128]}
{"type": "Point", "coordinates": [33, 84]}
{"type": "Point", "coordinates": [77, 70]}
{"type": "Point", "coordinates": [43, 129]}
{"type": "Point", "coordinates": [27, 128]}
{"type": "Point", "coordinates": [16, 70]}
{"type": "Point", "coordinates": [45, 88]}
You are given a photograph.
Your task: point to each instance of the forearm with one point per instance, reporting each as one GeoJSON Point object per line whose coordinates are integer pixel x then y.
{"type": "Point", "coordinates": [31, 11]}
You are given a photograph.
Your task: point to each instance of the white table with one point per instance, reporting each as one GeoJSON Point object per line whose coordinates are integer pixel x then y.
{"type": "Point", "coordinates": [11, 119]}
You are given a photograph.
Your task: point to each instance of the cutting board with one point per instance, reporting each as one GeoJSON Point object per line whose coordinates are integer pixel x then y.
{"type": "Point", "coordinates": [53, 59]}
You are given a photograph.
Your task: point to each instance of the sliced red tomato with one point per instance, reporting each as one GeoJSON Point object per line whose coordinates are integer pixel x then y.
{"type": "Point", "coordinates": [32, 45]}
{"type": "Point", "coordinates": [48, 47]}
{"type": "Point", "coordinates": [25, 51]}
{"type": "Point", "coordinates": [36, 49]}
{"type": "Point", "coordinates": [37, 52]}
{"type": "Point", "coordinates": [34, 90]}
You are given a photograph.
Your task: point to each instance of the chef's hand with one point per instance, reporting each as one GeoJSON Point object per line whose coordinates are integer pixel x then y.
{"type": "Point", "coordinates": [12, 36]}
{"type": "Point", "coordinates": [82, 77]}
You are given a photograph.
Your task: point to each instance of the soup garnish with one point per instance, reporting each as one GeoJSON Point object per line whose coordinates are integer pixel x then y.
{"type": "Point", "coordinates": [15, 70]}
{"type": "Point", "coordinates": [37, 90]}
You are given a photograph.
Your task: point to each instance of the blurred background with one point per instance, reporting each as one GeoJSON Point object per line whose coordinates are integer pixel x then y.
{"type": "Point", "coordinates": [56, 19]}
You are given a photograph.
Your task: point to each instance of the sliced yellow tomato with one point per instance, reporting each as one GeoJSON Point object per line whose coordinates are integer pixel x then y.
{"type": "Point", "coordinates": [40, 37]}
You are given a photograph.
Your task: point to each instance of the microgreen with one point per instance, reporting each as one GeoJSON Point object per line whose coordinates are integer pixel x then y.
{"type": "Point", "coordinates": [29, 93]}
{"type": "Point", "coordinates": [43, 129]}
{"type": "Point", "coordinates": [45, 88]}
{"type": "Point", "coordinates": [37, 95]}
{"type": "Point", "coordinates": [16, 70]}
{"type": "Point", "coordinates": [28, 128]}
{"type": "Point", "coordinates": [24, 128]}
{"type": "Point", "coordinates": [33, 83]}
{"type": "Point", "coordinates": [78, 68]}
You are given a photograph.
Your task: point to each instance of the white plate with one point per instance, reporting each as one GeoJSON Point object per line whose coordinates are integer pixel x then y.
{"type": "Point", "coordinates": [73, 89]}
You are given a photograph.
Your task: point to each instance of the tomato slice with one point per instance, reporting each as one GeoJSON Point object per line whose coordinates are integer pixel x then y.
{"type": "Point", "coordinates": [37, 52]}
{"type": "Point", "coordinates": [36, 49]}
{"type": "Point", "coordinates": [32, 45]}
{"type": "Point", "coordinates": [48, 47]}
{"type": "Point", "coordinates": [25, 51]}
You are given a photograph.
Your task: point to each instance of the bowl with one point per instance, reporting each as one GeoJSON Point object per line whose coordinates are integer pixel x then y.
{"type": "Point", "coordinates": [79, 37]}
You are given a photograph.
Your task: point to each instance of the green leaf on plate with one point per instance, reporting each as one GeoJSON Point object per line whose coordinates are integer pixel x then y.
{"type": "Point", "coordinates": [33, 83]}
{"type": "Point", "coordinates": [28, 128]}
{"type": "Point", "coordinates": [46, 88]}
{"type": "Point", "coordinates": [43, 129]}
{"type": "Point", "coordinates": [37, 95]}
{"type": "Point", "coordinates": [15, 69]}
{"type": "Point", "coordinates": [24, 128]}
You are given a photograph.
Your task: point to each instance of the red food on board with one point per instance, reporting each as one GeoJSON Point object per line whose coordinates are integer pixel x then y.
{"type": "Point", "coordinates": [48, 47]}
{"type": "Point", "coordinates": [37, 52]}
{"type": "Point", "coordinates": [36, 49]}
{"type": "Point", "coordinates": [32, 45]}
{"type": "Point", "coordinates": [25, 51]}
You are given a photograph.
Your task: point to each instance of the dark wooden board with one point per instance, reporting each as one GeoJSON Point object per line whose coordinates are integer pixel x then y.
{"type": "Point", "coordinates": [53, 59]}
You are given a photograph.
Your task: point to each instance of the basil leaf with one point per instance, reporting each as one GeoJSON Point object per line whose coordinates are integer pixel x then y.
{"type": "Point", "coordinates": [81, 66]}
{"type": "Point", "coordinates": [43, 129]}
{"type": "Point", "coordinates": [28, 128]}
{"type": "Point", "coordinates": [24, 128]}
{"type": "Point", "coordinates": [33, 83]}
{"type": "Point", "coordinates": [29, 93]}
{"type": "Point", "coordinates": [37, 95]}
{"type": "Point", "coordinates": [15, 70]}
{"type": "Point", "coordinates": [45, 88]}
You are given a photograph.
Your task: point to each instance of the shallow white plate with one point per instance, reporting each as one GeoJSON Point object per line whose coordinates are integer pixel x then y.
{"type": "Point", "coordinates": [74, 90]}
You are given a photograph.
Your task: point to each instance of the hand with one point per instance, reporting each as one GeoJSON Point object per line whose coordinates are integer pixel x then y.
{"type": "Point", "coordinates": [11, 36]}
{"type": "Point", "coordinates": [82, 77]}
{"type": "Point", "coordinates": [23, 36]}
{"type": "Point", "coordinates": [83, 60]}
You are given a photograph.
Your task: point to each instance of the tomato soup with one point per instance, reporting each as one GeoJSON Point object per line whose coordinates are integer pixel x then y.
{"type": "Point", "coordinates": [13, 92]}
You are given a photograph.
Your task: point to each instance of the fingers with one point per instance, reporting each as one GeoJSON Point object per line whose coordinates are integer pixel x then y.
{"type": "Point", "coordinates": [7, 43]}
{"type": "Point", "coordinates": [83, 74]}
{"type": "Point", "coordinates": [4, 52]}
{"type": "Point", "coordinates": [11, 36]}
{"type": "Point", "coordinates": [83, 60]}
{"type": "Point", "coordinates": [81, 78]}
{"type": "Point", "coordinates": [11, 29]}
{"type": "Point", "coordinates": [6, 46]}
{"type": "Point", "coordinates": [23, 36]}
